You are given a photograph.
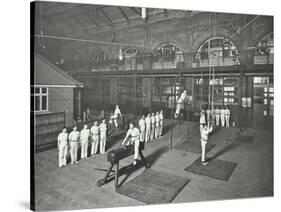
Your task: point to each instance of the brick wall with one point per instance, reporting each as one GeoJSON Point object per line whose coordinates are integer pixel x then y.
{"type": "Point", "coordinates": [61, 99]}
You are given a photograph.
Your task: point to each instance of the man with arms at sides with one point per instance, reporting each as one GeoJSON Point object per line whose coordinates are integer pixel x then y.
{"type": "Point", "coordinates": [63, 147]}
{"type": "Point", "coordinates": [84, 140]}
{"type": "Point", "coordinates": [74, 142]}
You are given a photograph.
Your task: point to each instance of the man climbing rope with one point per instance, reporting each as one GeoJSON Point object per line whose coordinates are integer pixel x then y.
{"type": "Point", "coordinates": [180, 103]}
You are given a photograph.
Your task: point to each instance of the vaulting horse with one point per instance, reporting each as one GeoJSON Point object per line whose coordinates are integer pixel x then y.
{"type": "Point", "coordinates": [113, 157]}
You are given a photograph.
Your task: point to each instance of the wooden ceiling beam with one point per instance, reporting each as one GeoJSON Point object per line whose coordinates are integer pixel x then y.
{"type": "Point", "coordinates": [93, 20]}
{"type": "Point", "coordinates": [135, 10]}
{"type": "Point", "coordinates": [106, 16]}
{"type": "Point", "coordinates": [124, 14]}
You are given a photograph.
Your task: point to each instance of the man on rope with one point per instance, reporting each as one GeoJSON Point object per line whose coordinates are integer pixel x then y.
{"type": "Point", "coordinates": [180, 103]}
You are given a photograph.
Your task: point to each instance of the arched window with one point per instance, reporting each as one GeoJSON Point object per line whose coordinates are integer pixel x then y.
{"type": "Point", "coordinates": [167, 55]}
{"type": "Point", "coordinates": [265, 46]}
{"type": "Point", "coordinates": [128, 58]}
{"type": "Point", "coordinates": [130, 52]}
{"type": "Point", "coordinates": [264, 50]}
{"type": "Point", "coordinates": [217, 51]}
{"type": "Point", "coordinates": [99, 57]}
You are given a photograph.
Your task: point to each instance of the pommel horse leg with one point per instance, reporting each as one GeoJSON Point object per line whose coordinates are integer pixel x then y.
{"type": "Point", "coordinates": [103, 181]}
{"type": "Point", "coordinates": [116, 174]}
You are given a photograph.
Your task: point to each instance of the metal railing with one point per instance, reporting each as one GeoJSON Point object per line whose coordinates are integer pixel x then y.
{"type": "Point", "coordinates": [184, 60]}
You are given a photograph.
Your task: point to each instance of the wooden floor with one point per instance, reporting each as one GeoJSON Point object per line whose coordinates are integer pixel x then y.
{"type": "Point", "coordinates": [74, 187]}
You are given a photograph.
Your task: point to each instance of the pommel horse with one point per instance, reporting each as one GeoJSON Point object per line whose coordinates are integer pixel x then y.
{"type": "Point", "coordinates": [113, 157]}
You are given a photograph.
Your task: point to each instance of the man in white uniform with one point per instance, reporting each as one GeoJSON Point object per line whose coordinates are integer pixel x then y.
{"type": "Point", "coordinates": [142, 128]}
{"type": "Point", "coordinates": [157, 124]}
{"type": "Point", "coordinates": [63, 147]}
{"type": "Point", "coordinates": [204, 140]}
{"type": "Point", "coordinates": [84, 139]}
{"type": "Point", "coordinates": [227, 116]}
{"type": "Point", "coordinates": [222, 116]}
{"type": "Point", "coordinates": [218, 115]}
{"type": "Point", "coordinates": [103, 130]}
{"type": "Point", "coordinates": [73, 140]}
{"type": "Point", "coordinates": [161, 116]}
{"type": "Point", "coordinates": [152, 133]}
{"type": "Point", "coordinates": [209, 115]}
{"type": "Point", "coordinates": [180, 103]}
{"type": "Point", "coordinates": [95, 133]}
{"type": "Point", "coordinates": [117, 113]}
{"type": "Point", "coordinates": [202, 119]}
{"type": "Point", "coordinates": [147, 127]}
{"type": "Point", "coordinates": [134, 135]}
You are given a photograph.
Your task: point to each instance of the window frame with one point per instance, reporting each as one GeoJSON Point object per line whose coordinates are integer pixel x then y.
{"type": "Point", "coordinates": [40, 95]}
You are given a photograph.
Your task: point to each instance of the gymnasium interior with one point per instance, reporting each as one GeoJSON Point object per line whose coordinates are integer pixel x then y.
{"type": "Point", "coordinates": [89, 58]}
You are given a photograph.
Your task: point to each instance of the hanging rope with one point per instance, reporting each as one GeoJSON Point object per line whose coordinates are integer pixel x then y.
{"type": "Point", "coordinates": [209, 60]}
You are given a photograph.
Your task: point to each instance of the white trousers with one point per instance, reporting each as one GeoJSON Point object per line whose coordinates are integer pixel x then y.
{"type": "Point", "coordinates": [136, 152]}
{"type": "Point", "coordinates": [161, 128]}
{"type": "Point", "coordinates": [201, 128]}
{"type": "Point", "coordinates": [116, 123]}
{"type": "Point", "coordinates": [217, 120]}
{"type": "Point", "coordinates": [227, 120]}
{"type": "Point", "coordinates": [95, 144]}
{"type": "Point", "coordinates": [157, 128]}
{"type": "Point", "coordinates": [84, 149]}
{"type": "Point", "coordinates": [102, 142]}
{"type": "Point", "coordinates": [222, 120]}
{"type": "Point", "coordinates": [147, 133]}
{"type": "Point", "coordinates": [73, 151]}
{"type": "Point", "coordinates": [152, 133]}
{"type": "Point", "coordinates": [142, 135]}
{"type": "Point", "coordinates": [63, 148]}
{"type": "Point", "coordinates": [203, 147]}
{"type": "Point", "coordinates": [179, 107]}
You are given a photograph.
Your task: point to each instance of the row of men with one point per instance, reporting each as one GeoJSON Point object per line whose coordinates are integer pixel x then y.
{"type": "Point", "coordinates": [219, 116]}
{"type": "Point", "coordinates": [71, 142]}
{"type": "Point", "coordinates": [151, 126]}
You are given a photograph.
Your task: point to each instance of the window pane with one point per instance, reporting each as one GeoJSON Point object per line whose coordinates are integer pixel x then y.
{"type": "Point", "coordinates": [44, 90]}
{"type": "Point", "coordinates": [44, 103]}
{"type": "Point", "coordinates": [37, 90]}
{"type": "Point", "coordinates": [37, 103]}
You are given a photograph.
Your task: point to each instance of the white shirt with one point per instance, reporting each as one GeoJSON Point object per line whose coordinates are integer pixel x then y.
{"type": "Point", "coordinates": [148, 121]}
{"type": "Point", "coordinates": [142, 124]}
{"type": "Point", "coordinates": [182, 97]}
{"type": "Point", "coordinates": [218, 111]}
{"type": "Point", "coordinates": [73, 136]}
{"type": "Point", "coordinates": [161, 116]}
{"type": "Point", "coordinates": [117, 112]}
{"type": "Point", "coordinates": [227, 112]}
{"type": "Point", "coordinates": [202, 118]}
{"type": "Point", "coordinates": [153, 119]}
{"type": "Point", "coordinates": [103, 128]}
{"type": "Point", "coordinates": [62, 137]}
{"type": "Point", "coordinates": [157, 119]}
{"type": "Point", "coordinates": [95, 130]}
{"type": "Point", "coordinates": [84, 134]}
{"type": "Point", "coordinates": [222, 112]}
{"type": "Point", "coordinates": [134, 133]}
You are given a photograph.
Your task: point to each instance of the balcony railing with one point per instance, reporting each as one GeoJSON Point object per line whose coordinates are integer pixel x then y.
{"type": "Point", "coordinates": [185, 60]}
